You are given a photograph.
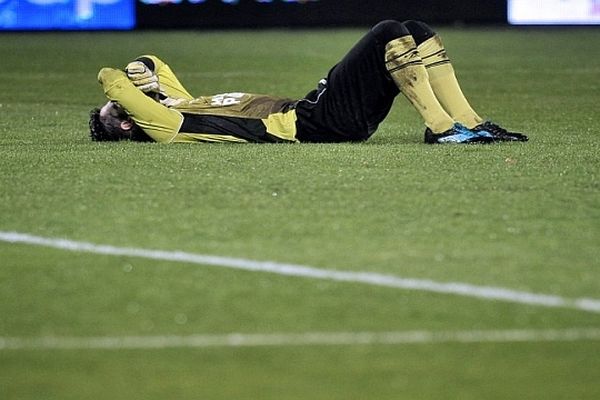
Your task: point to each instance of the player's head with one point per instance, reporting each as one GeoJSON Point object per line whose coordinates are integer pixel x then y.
{"type": "Point", "coordinates": [111, 123]}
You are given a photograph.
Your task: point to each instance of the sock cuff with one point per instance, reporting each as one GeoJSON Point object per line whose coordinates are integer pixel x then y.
{"type": "Point", "coordinates": [433, 52]}
{"type": "Point", "coordinates": [401, 45]}
{"type": "Point", "coordinates": [401, 53]}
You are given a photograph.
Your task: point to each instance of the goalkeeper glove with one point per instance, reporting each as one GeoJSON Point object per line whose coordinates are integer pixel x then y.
{"type": "Point", "coordinates": [142, 77]}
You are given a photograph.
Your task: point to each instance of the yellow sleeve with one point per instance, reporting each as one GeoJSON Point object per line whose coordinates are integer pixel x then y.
{"type": "Point", "coordinates": [159, 122]}
{"type": "Point", "coordinates": [169, 83]}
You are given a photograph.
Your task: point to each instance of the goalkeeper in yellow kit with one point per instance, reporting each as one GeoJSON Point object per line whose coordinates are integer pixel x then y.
{"type": "Point", "coordinates": [148, 103]}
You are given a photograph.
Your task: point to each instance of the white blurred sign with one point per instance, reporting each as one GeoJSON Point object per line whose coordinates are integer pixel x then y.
{"type": "Point", "coordinates": [554, 12]}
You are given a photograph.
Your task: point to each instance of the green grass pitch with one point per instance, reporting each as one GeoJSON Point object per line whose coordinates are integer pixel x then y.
{"type": "Point", "coordinates": [517, 216]}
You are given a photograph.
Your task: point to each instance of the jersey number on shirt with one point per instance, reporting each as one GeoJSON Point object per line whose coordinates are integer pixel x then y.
{"type": "Point", "coordinates": [226, 99]}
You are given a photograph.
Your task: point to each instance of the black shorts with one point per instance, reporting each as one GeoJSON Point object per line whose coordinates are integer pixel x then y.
{"type": "Point", "coordinates": [359, 91]}
{"type": "Point", "coordinates": [358, 96]}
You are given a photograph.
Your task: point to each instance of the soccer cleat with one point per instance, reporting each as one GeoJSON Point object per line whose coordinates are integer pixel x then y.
{"type": "Point", "coordinates": [458, 134]}
{"type": "Point", "coordinates": [500, 134]}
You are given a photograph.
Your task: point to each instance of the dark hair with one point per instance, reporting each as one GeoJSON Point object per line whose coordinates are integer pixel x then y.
{"type": "Point", "coordinates": [109, 130]}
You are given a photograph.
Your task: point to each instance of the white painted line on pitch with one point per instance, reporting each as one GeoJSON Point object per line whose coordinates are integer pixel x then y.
{"type": "Point", "coordinates": [370, 278]}
{"type": "Point", "coordinates": [296, 339]}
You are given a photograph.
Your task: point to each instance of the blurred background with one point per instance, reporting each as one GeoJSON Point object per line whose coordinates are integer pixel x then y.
{"type": "Point", "coordinates": [24, 15]}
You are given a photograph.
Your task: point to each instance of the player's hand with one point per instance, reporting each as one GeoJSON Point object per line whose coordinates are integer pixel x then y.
{"type": "Point", "coordinates": [142, 77]}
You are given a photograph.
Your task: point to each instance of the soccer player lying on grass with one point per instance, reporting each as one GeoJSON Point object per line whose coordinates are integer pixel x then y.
{"type": "Point", "coordinates": [148, 103]}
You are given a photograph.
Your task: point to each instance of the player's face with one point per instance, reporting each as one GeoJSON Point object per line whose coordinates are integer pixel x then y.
{"type": "Point", "coordinates": [113, 111]}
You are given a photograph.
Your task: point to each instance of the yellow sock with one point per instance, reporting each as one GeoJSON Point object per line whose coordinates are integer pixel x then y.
{"type": "Point", "coordinates": [444, 83]}
{"type": "Point", "coordinates": [404, 64]}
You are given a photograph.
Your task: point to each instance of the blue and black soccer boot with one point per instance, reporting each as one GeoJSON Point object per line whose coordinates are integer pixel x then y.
{"type": "Point", "coordinates": [500, 134]}
{"type": "Point", "coordinates": [458, 134]}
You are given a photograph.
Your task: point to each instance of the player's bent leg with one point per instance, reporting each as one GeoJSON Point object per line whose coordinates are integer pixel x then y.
{"type": "Point", "coordinates": [407, 69]}
{"type": "Point", "coordinates": [446, 87]}
{"type": "Point", "coordinates": [442, 76]}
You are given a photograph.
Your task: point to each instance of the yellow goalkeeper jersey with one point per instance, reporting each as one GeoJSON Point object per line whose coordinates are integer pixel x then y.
{"type": "Point", "coordinates": [227, 117]}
